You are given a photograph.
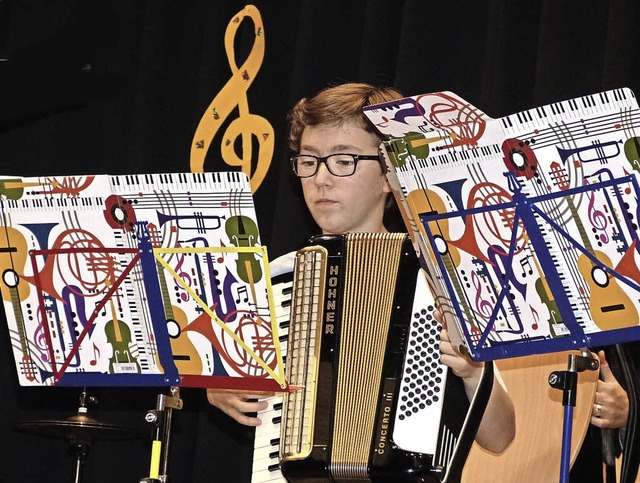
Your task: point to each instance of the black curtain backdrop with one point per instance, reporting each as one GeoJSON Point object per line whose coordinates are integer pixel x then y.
{"type": "Point", "coordinates": [98, 86]}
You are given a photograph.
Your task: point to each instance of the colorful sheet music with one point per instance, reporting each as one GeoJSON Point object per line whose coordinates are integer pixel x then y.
{"type": "Point", "coordinates": [527, 224]}
{"type": "Point", "coordinates": [155, 279]}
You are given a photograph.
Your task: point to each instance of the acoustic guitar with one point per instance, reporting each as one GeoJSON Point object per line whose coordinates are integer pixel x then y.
{"type": "Point", "coordinates": [534, 455]}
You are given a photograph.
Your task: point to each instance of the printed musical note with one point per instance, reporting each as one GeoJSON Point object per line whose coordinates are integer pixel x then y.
{"type": "Point", "coordinates": [242, 295]}
{"type": "Point", "coordinates": [525, 264]}
{"type": "Point", "coordinates": [96, 355]}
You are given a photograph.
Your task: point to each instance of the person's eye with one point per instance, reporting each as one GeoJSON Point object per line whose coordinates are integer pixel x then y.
{"type": "Point", "coordinates": [344, 162]}
{"type": "Point", "coordinates": [307, 163]}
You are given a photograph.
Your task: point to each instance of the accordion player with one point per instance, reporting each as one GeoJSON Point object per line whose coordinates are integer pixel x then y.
{"type": "Point", "coordinates": [374, 403]}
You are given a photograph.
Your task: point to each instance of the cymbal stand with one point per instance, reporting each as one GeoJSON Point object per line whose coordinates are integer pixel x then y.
{"type": "Point", "coordinates": [78, 446]}
{"type": "Point", "coordinates": [161, 418]}
{"type": "Point", "coordinates": [568, 382]}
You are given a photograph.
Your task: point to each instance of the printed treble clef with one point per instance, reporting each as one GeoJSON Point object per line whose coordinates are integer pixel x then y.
{"type": "Point", "coordinates": [597, 219]}
{"type": "Point", "coordinates": [483, 306]}
{"type": "Point", "coordinates": [233, 94]}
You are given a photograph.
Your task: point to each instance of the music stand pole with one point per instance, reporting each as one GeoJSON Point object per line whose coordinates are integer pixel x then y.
{"type": "Point", "coordinates": [161, 419]}
{"type": "Point", "coordinates": [568, 382]}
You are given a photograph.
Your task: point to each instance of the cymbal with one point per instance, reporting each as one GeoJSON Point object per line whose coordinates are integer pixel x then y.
{"type": "Point", "coordinates": [77, 428]}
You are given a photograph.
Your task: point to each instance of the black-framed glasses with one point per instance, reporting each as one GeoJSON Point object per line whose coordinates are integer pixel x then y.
{"type": "Point", "coordinates": [340, 164]}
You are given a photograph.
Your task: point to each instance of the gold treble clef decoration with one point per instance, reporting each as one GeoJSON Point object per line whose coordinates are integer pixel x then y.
{"type": "Point", "coordinates": [234, 93]}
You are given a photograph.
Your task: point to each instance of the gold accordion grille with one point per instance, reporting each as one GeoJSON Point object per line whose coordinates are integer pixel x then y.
{"type": "Point", "coordinates": [303, 347]}
{"type": "Point", "coordinates": [369, 278]}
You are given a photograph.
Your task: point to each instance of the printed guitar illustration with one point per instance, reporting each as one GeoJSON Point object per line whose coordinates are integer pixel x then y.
{"type": "Point", "coordinates": [15, 255]}
{"type": "Point", "coordinates": [611, 308]}
{"type": "Point", "coordinates": [185, 355]}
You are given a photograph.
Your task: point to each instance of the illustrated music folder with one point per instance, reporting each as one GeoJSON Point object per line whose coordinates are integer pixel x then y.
{"type": "Point", "coordinates": [527, 225]}
{"type": "Point", "coordinates": [151, 279]}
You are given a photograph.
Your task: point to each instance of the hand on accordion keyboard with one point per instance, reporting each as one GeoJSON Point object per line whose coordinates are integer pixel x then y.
{"type": "Point", "coordinates": [238, 405]}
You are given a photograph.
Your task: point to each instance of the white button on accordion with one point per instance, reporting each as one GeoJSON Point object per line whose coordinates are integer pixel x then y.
{"type": "Point", "coordinates": [374, 403]}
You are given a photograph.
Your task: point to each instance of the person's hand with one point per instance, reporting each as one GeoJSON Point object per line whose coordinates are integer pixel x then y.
{"type": "Point", "coordinates": [498, 426]}
{"type": "Point", "coordinates": [238, 404]}
{"type": "Point", "coordinates": [461, 365]}
{"type": "Point", "coordinates": [611, 404]}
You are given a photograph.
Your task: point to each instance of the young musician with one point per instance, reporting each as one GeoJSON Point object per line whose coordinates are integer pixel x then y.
{"type": "Point", "coordinates": [348, 193]}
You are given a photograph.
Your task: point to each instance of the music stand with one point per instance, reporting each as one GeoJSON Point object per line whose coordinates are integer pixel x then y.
{"type": "Point", "coordinates": [505, 216]}
{"type": "Point", "coordinates": [159, 281]}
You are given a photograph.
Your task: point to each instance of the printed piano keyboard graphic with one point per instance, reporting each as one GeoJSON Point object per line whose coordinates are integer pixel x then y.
{"type": "Point", "coordinates": [415, 388]}
{"type": "Point", "coordinates": [542, 202]}
{"type": "Point", "coordinates": [164, 280]}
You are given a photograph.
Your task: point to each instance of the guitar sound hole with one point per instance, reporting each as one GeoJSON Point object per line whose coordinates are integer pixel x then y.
{"type": "Point", "coordinates": [441, 244]}
{"type": "Point", "coordinates": [599, 277]}
{"type": "Point", "coordinates": [173, 328]}
{"type": "Point", "coordinates": [10, 278]}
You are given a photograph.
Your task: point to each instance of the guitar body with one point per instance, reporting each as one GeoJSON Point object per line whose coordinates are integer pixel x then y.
{"type": "Point", "coordinates": [14, 255]}
{"type": "Point", "coordinates": [534, 455]}
{"type": "Point", "coordinates": [185, 355]}
{"type": "Point", "coordinates": [611, 308]}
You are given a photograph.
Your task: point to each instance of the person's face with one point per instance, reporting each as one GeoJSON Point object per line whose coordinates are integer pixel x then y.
{"type": "Point", "coordinates": [344, 204]}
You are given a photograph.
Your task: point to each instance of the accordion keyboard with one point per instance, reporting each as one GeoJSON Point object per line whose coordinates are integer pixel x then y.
{"type": "Point", "coordinates": [266, 468]}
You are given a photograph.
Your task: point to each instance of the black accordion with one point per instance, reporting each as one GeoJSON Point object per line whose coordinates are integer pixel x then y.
{"type": "Point", "coordinates": [373, 401]}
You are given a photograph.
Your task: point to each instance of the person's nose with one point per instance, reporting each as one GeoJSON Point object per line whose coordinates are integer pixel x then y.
{"type": "Point", "coordinates": [323, 176]}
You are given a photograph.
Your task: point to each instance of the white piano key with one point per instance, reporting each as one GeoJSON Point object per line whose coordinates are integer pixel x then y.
{"type": "Point", "coordinates": [266, 476]}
